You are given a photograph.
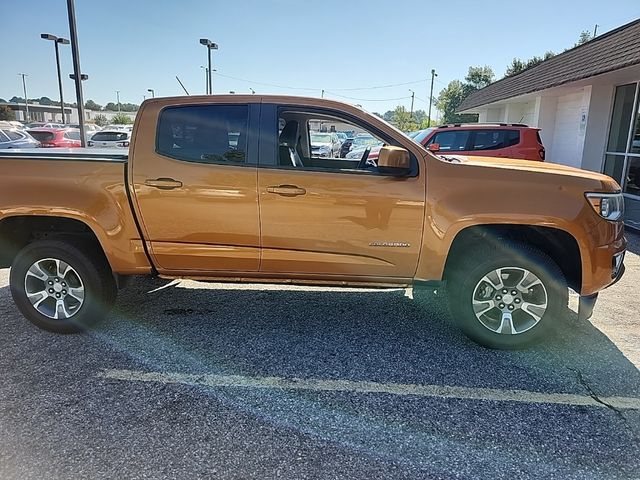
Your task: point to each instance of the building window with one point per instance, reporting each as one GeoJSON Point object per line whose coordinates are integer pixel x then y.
{"type": "Point", "coordinates": [622, 158]}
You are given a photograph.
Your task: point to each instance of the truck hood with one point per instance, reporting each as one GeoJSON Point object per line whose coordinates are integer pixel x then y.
{"type": "Point", "coordinates": [608, 183]}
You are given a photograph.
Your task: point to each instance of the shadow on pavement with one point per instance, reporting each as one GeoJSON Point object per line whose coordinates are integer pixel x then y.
{"type": "Point", "coordinates": [379, 336]}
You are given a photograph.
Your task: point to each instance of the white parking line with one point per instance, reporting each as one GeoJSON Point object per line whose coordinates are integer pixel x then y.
{"type": "Point", "coordinates": [439, 391]}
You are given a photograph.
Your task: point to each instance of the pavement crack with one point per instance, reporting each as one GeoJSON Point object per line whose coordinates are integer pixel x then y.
{"type": "Point", "coordinates": [594, 395]}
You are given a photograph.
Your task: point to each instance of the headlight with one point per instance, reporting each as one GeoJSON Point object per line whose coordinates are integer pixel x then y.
{"type": "Point", "coordinates": [609, 206]}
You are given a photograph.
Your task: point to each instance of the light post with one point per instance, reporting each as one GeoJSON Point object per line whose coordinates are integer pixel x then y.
{"type": "Point", "coordinates": [26, 102]}
{"type": "Point", "coordinates": [152, 92]}
{"type": "Point", "coordinates": [206, 79]}
{"type": "Point", "coordinates": [118, 99]}
{"type": "Point", "coordinates": [56, 41]}
{"type": "Point", "coordinates": [210, 46]}
{"type": "Point", "coordinates": [75, 51]}
{"type": "Point", "coordinates": [253, 92]}
{"type": "Point", "coordinates": [433, 75]}
{"type": "Point", "coordinates": [413, 94]}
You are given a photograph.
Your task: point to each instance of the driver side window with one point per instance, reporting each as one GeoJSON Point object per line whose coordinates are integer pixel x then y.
{"type": "Point", "coordinates": [309, 140]}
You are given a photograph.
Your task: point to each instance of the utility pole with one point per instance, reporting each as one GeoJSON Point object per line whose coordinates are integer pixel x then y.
{"type": "Point", "coordinates": [118, 99]}
{"type": "Point", "coordinates": [433, 75]}
{"type": "Point", "coordinates": [413, 94]}
{"type": "Point", "coordinates": [76, 69]}
{"type": "Point", "coordinates": [595, 30]}
{"type": "Point", "coordinates": [322, 94]}
{"type": "Point", "coordinates": [26, 102]}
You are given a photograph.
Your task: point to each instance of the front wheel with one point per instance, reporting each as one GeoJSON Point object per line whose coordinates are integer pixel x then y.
{"type": "Point", "coordinates": [508, 296]}
{"type": "Point", "coordinates": [61, 287]}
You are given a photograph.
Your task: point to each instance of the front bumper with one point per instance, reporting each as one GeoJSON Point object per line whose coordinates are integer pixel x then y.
{"type": "Point", "coordinates": [588, 302]}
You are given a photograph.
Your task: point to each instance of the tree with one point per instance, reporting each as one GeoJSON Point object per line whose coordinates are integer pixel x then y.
{"type": "Point", "coordinates": [91, 105]}
{"type": "Point", "coordinates": [584, 37]}
{"type": "Point", "coordinates": [16, 100]}
{"type": "Point", "coordinates": [121, 119]}
{"type": "Point", "coordinates": [112, 107]}
{"type": "Point", "coordinates": [452, 96]}
{"type": "Point", "coordinates": [402, 119]}
{"type": "Point", "coordinates": [6, 113]}
{"type": "Point", "coordinates": [518, 66]}
{"type": "Point", "coordinates": [101, 120]}
{"type": "Point", "coordinates": [45, 101]}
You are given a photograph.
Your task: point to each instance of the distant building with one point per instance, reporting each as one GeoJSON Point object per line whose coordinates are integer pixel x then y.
{"type": "Point", "coordinates": [587, 103]}
{"type": "Point", "coordinates": [52, 113]}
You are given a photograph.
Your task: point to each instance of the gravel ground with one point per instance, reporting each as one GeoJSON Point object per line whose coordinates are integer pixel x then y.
{"type": "Point", "coordinates": [63, 416]}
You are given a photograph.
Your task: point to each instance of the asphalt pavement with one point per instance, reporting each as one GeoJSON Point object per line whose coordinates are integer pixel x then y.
{"type": "Point", "coordinates": [195, 380]}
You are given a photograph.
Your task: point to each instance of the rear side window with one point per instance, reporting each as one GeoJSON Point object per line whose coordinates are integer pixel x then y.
{"type": "Point", "coordinates": [495, 139]}
{"type": "Point", "coordinates": [109, 136]}
{"type": "Point", "coordinates": [3, 137]}
{"type": "Point", "coordinates": [13, 135]}
{"type": "Point", "coordinates": [452, 140]}
{"type": "Point", "coordinates": [204, 133]}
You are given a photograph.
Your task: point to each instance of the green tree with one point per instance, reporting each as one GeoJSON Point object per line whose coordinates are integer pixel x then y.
{"type": "Point", "coordinates": [452, 96]}
{"type": "Point", "coordinates": [112, 107]}
{"type": "Point", "coordinates": [402, 119]}
{"type": "Point", "coordinates": [6, 113]}
{"type": "Point", "coordinates": [584, 37]}
{"type": "Point", "coordinates": [121, 119]}
{"type": "Point", "coordinates": [477, 78]}
{"type": "Point", "coordinates": [91, 105]}
{"type": "Point", "coordinates": [518, 65]}
{"type": "Point", "coordinates": [101, 120]}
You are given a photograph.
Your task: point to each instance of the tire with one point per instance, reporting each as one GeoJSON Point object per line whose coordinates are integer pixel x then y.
{"type": "Point", "coordinates": [79, 288]}
{"type": "Point", "coordinates": [510, 310]}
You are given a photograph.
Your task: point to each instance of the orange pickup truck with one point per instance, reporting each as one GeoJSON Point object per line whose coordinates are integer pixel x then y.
{"type": "Point", "coordinates": [227, 188]}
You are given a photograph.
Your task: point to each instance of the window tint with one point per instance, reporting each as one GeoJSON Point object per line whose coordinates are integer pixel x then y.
{"type": "Point", "coordinates": [204, 133]}
{"type": "Point", "coordinates": [110, 136]}
{"type": "Point", "coordinates": [42, 136]}
{"type": "Point", "coordinates": [451, 141]}
{"type": "Point", "coordinates": [621, 117]}
{"type": "Point", "coordinates": [3, 137]}
{"type": "Point", "coordinates": [494, 139]}
{"type": "Point", "coordinates": [633, 177]}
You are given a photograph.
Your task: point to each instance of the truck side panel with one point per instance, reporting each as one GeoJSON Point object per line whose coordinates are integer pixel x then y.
{"type": "Point", "coordinates": [89, 191]}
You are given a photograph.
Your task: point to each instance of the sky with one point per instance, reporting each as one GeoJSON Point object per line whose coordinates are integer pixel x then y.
{"type": "Point", "coordinates": [343, 47]}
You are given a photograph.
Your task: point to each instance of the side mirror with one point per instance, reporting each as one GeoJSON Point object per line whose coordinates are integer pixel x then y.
{"type": "Point", "coordinates": [394, 161]}
{"type": "Point", "coordinates": [434, 147]}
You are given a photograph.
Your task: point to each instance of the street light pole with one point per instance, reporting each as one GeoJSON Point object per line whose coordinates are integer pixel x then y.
{"type": "Point", "coordinates": [413, 94]}
{"type": "Point", "coordinates": [118, 99]}
{"type": "Point", "coordinates": [210, 46]}
{"type": "Point", "coordinates": [26, 102]}
{"type": "Point", "coordinates": [76, 69]}
{"type": "Point", "coordinates": [56, 41]}
{"type": "Point", "coordinates": [433, 75]}
{"type": "Point", "coordinates": [206, 79]}
{"type": "Point", "coordinates": [152, 91]}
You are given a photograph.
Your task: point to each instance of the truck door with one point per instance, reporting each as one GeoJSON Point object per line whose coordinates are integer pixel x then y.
{"type": "Point", "coordinates": [324, 216]}
{"type": "Point", "coordinates": [193, 176]}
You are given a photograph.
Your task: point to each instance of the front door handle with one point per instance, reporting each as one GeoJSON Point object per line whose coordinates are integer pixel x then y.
{"type": "Point", "coordinates": [287, 190]}
{"type": "Point", "coordinates": [163, 183]}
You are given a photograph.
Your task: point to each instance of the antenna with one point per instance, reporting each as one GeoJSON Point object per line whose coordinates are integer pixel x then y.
{"type": "Point", "coordinates": [185, 90]}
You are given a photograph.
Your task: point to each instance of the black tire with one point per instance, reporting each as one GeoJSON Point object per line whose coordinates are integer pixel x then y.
{"type": "Point", "coordinates": [464, 281]}
{"type": "Point", "coordinates": [91, 268]}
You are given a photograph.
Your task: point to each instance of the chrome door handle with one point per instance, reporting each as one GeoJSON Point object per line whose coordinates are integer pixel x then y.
{"type": "Point", "coordinates": [163, 183]}
{"type": "Point", "coordinates": [287, 190]}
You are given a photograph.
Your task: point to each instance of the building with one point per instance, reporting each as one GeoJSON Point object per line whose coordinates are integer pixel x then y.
{"type": "Point", "coordinates": [52, 113]}
{"type": "Point", "coordinates": [587, 103]}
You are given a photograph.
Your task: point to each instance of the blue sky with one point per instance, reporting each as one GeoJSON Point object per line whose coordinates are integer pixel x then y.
{"type": "Point", "coordinates": [333, 45]}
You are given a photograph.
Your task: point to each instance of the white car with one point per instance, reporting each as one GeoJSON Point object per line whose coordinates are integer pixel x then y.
{"type": "Point", "coordinates": [110, 139]}
{"type": "Point", "coordinates": [89, 129]}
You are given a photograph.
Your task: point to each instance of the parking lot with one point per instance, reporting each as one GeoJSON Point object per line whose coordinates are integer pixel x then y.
{"type": "Point", "coordinates": [197, 380]}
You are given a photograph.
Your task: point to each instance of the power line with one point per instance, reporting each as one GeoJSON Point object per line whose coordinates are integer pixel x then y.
{"type": "Point", "coordinates": [380, 86]}
{"type": "Point", "coordinates": [368, 99]}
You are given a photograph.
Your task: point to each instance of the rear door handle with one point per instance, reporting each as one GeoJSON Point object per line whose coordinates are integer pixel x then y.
{"type": "Point", "coordinates": [287, 190]}
{"type": "Point", "coordinates": [163, 183]}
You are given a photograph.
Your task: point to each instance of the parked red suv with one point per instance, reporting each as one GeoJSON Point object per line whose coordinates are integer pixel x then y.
{"type": "Point", "coordinates": [56, 137]}
{"type": "Point", "coordinates": [512, 140]}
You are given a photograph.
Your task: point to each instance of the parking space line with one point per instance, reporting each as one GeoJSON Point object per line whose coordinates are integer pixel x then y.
{"type": "Point", "coordinates": [318, 385]}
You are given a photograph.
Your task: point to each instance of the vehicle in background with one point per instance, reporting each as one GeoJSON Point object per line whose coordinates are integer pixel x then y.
{"type": "Point", "coordinates": [345, 147]}
{"type": "Point", "coordinates": [119, 127]}
{"type": "Point", "coordinates": [89, 129]}
{"type": "Point", "coordinates": [44, 125]}
{"type": "Point", "coordinates": [56, 137]}
{"type": "Point", "coordinates": [509, 140]}
{"type": "Point", "coordinates": [325, 144]}
{"type": "Point", "coordinates": [341, 136]}
{"type": "Point", "coordinates": [361, 143]}
{"type": "Point", "coordinates": [16, 124]}
{"type": "Point", "coordinates": [11, 137]}
{"type": "Point", "coordinates": [110, 139]}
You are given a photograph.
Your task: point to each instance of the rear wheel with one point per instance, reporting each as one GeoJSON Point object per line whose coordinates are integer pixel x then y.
{"type": "Point", "coordinates": [61, 287]}
{"type": "Point", "coordinates": [507, 297]}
